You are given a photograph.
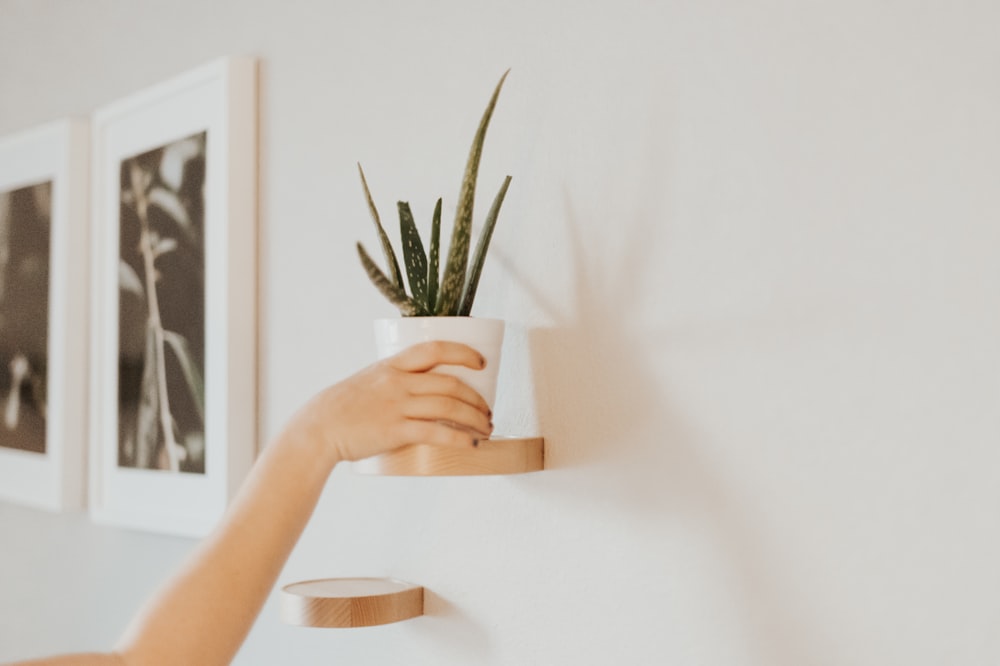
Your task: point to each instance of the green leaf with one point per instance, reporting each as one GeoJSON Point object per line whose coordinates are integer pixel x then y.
{"type": "Point", "coordinates": [458, 252]}
{"type": "Point", "coordinates": [479, 256]}
{"type": "Point", "coordinates": [396, 295]}
{"type": "Point", "coordinates": [390, 256]}
{"type": "Point", "coordinates": [413, 253]}
{"type": "Point", "coordinates": [192, 374]}
{"type": "Point", "coordinates": [433, 269]}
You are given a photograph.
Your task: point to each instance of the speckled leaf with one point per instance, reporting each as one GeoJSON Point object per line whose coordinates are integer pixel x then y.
{"type": "Point", "coordinates": [479, 256]}
{"type": "Point", "coordinates": [413, 253]}
{"type": "Point", "coordinates": [395, 294]}
{"type": "Point", "coordinates": [433, 259]}
{"type": "Point", "coordinates": [453, 282]}
{"type": "Point", "coordinates": [390, 256]}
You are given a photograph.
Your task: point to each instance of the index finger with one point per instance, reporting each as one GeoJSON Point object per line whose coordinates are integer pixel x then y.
{"type": "Point", "coordinates": [428, 355]}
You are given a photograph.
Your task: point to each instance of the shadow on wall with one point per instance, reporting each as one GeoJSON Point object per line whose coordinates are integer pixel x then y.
{"type": "Point", "coordinates": [593, 383]}
{"type": "Point", "coordinates": [471, 644]}
{"type": "Point", "coordinates": [610, 425]}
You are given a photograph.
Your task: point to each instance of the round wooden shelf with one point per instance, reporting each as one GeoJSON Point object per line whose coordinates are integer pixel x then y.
{"type": "Point", "coordinates": [350, 602]}
{"type": "Point", "coordinates": [499, 455]}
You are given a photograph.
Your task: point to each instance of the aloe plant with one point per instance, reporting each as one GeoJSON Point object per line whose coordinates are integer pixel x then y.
{"type": "Point", "coordinates": [431, 293]}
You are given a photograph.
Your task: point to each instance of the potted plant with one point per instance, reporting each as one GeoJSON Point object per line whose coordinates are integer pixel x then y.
{"type": "Point", "coordinates": [439, 302]}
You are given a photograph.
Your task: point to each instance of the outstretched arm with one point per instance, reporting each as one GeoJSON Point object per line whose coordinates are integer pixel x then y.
{"type": "Point", "coordinates": [205, 611]}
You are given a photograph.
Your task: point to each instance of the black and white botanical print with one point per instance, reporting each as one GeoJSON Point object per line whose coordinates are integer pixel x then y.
{"type": "Point", "coordinates": [161, 314]}
{"type": "Point", "coordinates": [25, 217]}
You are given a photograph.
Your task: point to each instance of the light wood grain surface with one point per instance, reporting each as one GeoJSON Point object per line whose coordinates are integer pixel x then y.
{"type": "Point", "coordinates": [350, 602]}
{"type": "Point", "coordinates": [504, 455]}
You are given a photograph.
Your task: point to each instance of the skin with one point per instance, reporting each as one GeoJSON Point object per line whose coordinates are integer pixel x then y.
{"type": "Point", "coordinates": [203, 614]}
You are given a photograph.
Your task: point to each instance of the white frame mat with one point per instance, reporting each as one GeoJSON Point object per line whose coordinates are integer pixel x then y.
{"type": "Point", "coordinates": [219, 99]}
{"type": "Point", "coordinates": [58, 153]}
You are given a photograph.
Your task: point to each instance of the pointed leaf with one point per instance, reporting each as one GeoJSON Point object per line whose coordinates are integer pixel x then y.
{"type": "Point", "coordinates": [413, 253]}
{"type": "Point", "coordinates": [171, 204]}
{"type": "Point", "coordinates": [395, 294]}
{"type": "Point", "coordinates": [194, 444]}
{"type": "Point", "coordinates": [192, 373]}
{"type": "Point", "coordinates": [175, 436]}
{"type": "Point", "coordinates": [433, 269]}
{"type": "Point", "coordinates": [147, 426]}
{"type": "Point", "coordinates": [479, 257]}
{"type": "Point", "coordinates": [128, 279]}
{"type": "Point", "coordinates": [161, 246]}
{"type": "Point", "coordinates": [176, 156]}
{"type": "Point", "coordinates": [458, 252]}
{"type": "Point", "coordinates": [390, 256]}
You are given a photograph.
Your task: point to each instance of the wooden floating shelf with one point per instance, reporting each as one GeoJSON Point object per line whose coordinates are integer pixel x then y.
{"type": "Point", "coordinates": [499, 455]}
{"type": "Point", "coordinates": [350, 602]}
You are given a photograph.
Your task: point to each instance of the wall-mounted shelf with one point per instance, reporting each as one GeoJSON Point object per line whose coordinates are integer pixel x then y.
{"type": "Point", "coordinates": [499, 455]}
{"type": "Point", "coordinates": [366, 602]}
{"type": "Point", "coordinates": [350, 602]}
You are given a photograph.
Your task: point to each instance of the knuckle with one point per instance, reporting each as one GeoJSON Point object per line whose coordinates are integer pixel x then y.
{"type": "Point", "coordinates": [436, 347]}
{"type": "Point", "coordinates": [450, 406]}
{"type": "Point", "coordinates": [401, 431]}
{"type": "Point", "coordinates": [453, 384]}
{"type": "Point", "coordinates": [458, 437]}
{"type": "Point", "coordinates": [383, 381]}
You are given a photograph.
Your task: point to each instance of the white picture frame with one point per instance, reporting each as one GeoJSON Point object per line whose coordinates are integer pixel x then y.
{"type": "Point", "coordinates": [50, 165]}
{"type": "Point", "coordinates": [203, 122]}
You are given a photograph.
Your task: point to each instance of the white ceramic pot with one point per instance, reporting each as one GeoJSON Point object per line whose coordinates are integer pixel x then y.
{"type": "Point", "coordinates": [484, 335]}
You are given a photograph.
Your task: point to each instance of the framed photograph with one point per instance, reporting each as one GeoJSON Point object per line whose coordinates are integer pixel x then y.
{"type": "Point", "coordinates": [43, 294]}
{"type": "Point", "coordinates": [174, 300]}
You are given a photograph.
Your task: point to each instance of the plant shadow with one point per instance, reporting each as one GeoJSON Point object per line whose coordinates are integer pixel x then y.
{"type": "Point", "coordinates": [616, 440]}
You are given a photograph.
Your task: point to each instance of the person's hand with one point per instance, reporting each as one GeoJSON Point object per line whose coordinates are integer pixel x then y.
{"type": "Point", "coordinates": [399, 401]}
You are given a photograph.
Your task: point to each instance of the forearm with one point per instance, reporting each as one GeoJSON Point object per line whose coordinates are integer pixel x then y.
{"type": "Point", "coordinates": [109, 659]}
{"type": "Point", "coordinates": [205, 612]}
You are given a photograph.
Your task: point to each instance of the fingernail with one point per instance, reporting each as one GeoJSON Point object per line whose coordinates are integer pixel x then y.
{"type": "Point", "coordinates": [489, 415]}
{"type": "Point", "coordinates": [482, 361]}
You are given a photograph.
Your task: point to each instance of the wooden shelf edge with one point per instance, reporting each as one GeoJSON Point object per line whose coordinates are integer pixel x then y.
{"type": "Point", "coordinates": [350, 602]}
{"type": "Point", "coordinates": [499, 455]}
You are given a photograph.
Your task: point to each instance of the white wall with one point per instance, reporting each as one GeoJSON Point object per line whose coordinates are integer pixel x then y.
{"type": "Point", "coordinates": [751, 264]}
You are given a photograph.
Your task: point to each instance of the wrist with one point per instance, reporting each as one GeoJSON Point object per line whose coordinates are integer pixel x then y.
{"type": "Point", "coordinates": [305, 440]}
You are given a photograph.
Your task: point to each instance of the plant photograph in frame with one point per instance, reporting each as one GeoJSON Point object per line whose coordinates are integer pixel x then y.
{"type": "Point", "coordinates": [173, 341]}
{"type": "Point", "coordinates": [161, 308]}
{"type": "Point", "coordinates": [43, 216]}
{"type": "Point", "coordinates": [25, 214]}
